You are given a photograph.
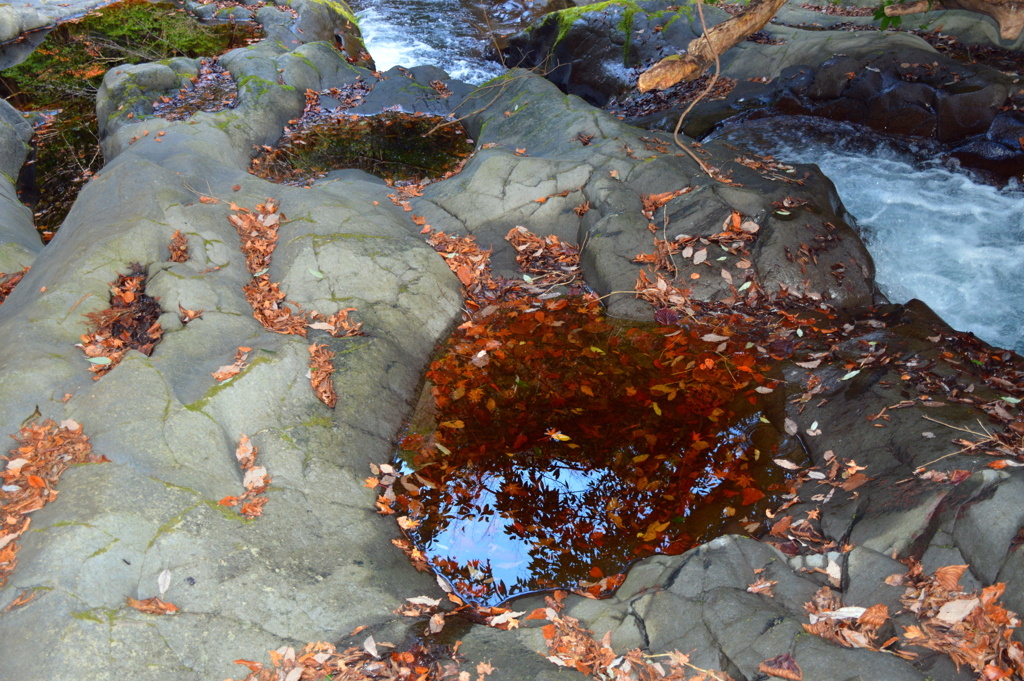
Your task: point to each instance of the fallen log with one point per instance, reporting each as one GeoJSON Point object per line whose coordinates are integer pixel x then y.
{"type": "Point", "coordinates": [701, 52]}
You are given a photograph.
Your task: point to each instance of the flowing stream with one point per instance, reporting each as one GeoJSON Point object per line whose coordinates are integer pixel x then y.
{"type": "Point", "coordinates": [935, 235]}
{"type": "Point", "coordinates": [443, 33]}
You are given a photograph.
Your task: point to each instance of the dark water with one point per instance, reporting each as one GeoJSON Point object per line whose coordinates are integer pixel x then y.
{"type": "Point", "coordinates": [579, 446]}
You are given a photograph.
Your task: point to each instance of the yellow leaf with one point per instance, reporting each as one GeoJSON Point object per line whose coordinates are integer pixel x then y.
{"type": "Point", "coordinates": [657, 409]}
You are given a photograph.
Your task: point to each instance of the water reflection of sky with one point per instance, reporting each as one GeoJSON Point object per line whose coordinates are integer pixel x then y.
{"type": "Point", "coordinates": [485, 542]}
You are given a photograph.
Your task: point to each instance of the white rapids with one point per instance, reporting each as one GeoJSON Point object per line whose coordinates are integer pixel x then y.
{"type": "Point", "coordinates": [935, 235]}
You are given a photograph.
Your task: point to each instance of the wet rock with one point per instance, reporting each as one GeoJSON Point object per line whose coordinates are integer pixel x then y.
{"type": "Point", "coordinates": [699, 602]}
{"type": "Point", "coordinates": [986, 527]}
{"type": "Point", "coordinates": [968, 110]}
{"type": "Point", "coordinates": [19, 241]}
{"type": "Point", "coordinates": [865, 575]}
{"type": "Point", "coordinates": [832, 78]}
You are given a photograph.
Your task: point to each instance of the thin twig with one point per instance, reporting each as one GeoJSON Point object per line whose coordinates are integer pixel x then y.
{"type": "Point", "coordinates": [711, 84]}
{"type": "Point", "coordinates": [962, 430]}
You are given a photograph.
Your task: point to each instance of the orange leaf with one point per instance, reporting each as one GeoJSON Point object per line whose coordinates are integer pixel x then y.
{"type": "Point", "coordinates": [254, 666]}
{"type": "Point", "coordinates": [542, 199]}
{"type": "Point", "coordinates": [36, 481]}
{"type": "Point", "coordinates": [419, 219]}
{"type": "Point", "coordinates": [949, 576]}
{"type": "Point", "coordinates": [751, 494]}
{"type": "Point", "coordinates": [229, 501]}
{"type": "Point", "coordinates": [548, 631]}
{"type": "Point", "coordinates": [538, 614]}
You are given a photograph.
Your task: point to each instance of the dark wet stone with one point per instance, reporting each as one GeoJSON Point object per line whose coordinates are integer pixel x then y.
{"type": "Point", "coordinates": [833, 77]}
{"type": "Point", "coordinates": [968, 110]}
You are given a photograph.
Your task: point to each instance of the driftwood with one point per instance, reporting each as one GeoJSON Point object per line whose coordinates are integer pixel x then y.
{"type": "Point", "coordinates": [701, 52]}
{"type": "Point", "coordinates": [1009, 14]}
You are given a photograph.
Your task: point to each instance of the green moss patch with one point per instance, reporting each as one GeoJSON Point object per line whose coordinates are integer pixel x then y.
{"type": "Point", "coordinates": [63, 74]}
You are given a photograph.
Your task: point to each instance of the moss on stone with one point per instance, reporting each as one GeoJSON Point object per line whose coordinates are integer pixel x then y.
{"type": "Point", "coordinates": [567, 17]}
{"type": "Point", "coordinates": [89, 616]}
{"type": "Point", "coordinates": [341, 7]}
{"type": "Point", "coordinates": [318, 422]}
{"type": "Point", "coordinates": [212, 392]}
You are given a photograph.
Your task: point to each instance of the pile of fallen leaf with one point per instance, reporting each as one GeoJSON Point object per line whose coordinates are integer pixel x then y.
{"type": "Point", "coordinates": [638, 104]}
{"type": "Point", "coordinates": [570, 645]}
{"type": "Point", "coordinates": [769, 168]}
{"type": "Point", "coordinates": [320, 370]}
{"type": "Point", "coordinates": [155, 605]}
{"type": "Point", "coordinates": [420, 662]}
{"type": "Point", "coordinates": [470, 263]}
{"type": "Point", "coordinates": [45, 450]}
{"type": "Point", "coordinates": [212, 90]}
{"type": "Point", "coordinates": [551, 262]}
{"type": "Point", "coordinates": [258, 230]}
{"type": "Point", "coordinates": [849, 626]}
{"type": "Point", "coordinates": [9, 281]}
{"type": "Point", "coordinates": [803, 536]}
{"type": "Point", "coordinates": [839, 10]}
{"type": "Point", "coordinates": [973, 629]}
{"type": "Point", "coordinates": [665, 293]}
{"type": "Point", "coordinates": [128, 324]}
{"type": "Point", "coordinates": [255, 481]}
{"type": "Point", "coordinates": [271, 308]}
{"type": "Point", "coordinates": [545, 261]}
{"type": "Point", "coordinates": [178, 247]}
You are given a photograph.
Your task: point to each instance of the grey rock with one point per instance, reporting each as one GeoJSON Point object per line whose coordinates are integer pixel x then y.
{"type": "Point", "coordinates": [986, 527]}
{"type": "Point", "coordinates": [19, 241]}
{"type": "Point", "coordinates": [865, 575]}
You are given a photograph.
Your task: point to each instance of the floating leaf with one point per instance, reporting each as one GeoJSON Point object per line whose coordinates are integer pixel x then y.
{"type": "Point", "coordinates": [787, 464]}
{"type": "Point", "coordinates": [850, 375]}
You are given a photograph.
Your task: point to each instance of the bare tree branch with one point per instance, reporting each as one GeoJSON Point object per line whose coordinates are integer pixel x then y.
{"type": "Point", "coordinates": [702, 51]}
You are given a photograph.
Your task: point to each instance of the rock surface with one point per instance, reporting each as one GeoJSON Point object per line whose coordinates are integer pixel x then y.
{"type": "Point", "coordinates": [320, 562]}
{"type": "Point", "coordinates": [19, 241]}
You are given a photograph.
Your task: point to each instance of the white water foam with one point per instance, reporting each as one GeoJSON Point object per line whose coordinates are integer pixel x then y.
{"type": "Point", "coordinates": [934, 234]}
{"type": "Point", "coordinates": [425, 32]}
